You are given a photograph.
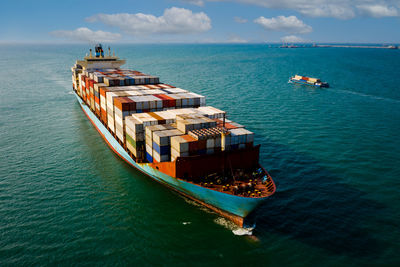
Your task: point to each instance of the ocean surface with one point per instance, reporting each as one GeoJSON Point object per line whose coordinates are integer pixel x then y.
{"type": "Point", "coordinates": [67, 199]}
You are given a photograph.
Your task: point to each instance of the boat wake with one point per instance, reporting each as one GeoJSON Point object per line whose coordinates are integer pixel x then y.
{"type": "Point", "coordinates": [236, 230]}
{"type": "Point", "coordinates": [233, 227]}
{"type": "Point", "coordinates": [243, 231]}
{"type": "Point", "coordinates": [369, 96]}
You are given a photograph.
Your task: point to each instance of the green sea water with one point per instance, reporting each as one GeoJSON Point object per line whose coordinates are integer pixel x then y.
{"type": "Point", "coordinates": [67, 199]}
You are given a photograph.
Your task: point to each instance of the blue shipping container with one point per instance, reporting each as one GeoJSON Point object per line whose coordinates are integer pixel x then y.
{"type": "Point", "coordinates": [162, 150]}
{"type": "Point", "coordinates": [149, 158]}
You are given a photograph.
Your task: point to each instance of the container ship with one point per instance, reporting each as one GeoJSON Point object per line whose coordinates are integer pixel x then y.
{"type": "Point", "coordinates": [308, 81]}
{"type": "Point", "coordinates": [172, 136]}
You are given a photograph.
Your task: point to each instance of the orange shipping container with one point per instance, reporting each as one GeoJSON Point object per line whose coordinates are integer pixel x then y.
{"type": "Point", "coordinates": [124, 103]}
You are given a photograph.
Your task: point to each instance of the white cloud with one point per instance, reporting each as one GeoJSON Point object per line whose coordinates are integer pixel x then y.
{"type": "Point", "coordinates": [240, 20]}
{"type": "Point", "coordinates": [194, 2]}
{"type": "Point", "coordinates": [293, 39]}
{"type": "Point", "coordinates": [378, 11]}
{"type": "Point", "coordinates": [87, 35]}
{"type": "Point", "coordinates": [173, 21]}
{"type": "Point", "coordinates": [289, 24]}
{"type": "Point", "coordinates": [341, 9]}
{"type": "Point", "coordinates": [329, 10]}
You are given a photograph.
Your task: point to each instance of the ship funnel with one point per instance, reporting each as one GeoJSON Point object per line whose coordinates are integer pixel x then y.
{"type": "Point", "coordinates": [99, 50]}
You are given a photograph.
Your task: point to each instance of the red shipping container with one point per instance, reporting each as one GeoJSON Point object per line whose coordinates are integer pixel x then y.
{"type": "Point", "coordinates": [171, 101]}
{"type": "Point", "coordinates": [83, 92]}
{"type": "Point", "coordinates": [165, 101]}
{"type": "Point", "coordinates": [103, 91]}
{"type": "Point", "coordinates": [193, 144]}
{"type": "Point", "coordinates": [124, 103]}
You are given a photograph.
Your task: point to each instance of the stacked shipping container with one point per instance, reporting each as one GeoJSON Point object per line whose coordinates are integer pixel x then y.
{"type": "Point", "coordinates": [157, 122]}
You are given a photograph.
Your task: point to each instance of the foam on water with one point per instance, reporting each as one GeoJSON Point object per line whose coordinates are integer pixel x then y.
{"type": "Point", "coordinates": [374, 97]}
{"type": "Point", "coordinates": [243, 231]}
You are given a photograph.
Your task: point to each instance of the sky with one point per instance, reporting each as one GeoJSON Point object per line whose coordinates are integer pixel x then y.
{"type": "Point", "coordinates": [200, 21]}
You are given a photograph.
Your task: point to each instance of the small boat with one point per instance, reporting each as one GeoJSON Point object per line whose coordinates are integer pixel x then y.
{"type": "Point", "coordinates": [308, 81]}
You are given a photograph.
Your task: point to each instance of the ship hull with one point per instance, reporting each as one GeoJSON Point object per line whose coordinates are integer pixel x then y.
{"type": "Point", "coordinates": [234, 208]}
{"type": "Point", "coordinates": [305, 83]}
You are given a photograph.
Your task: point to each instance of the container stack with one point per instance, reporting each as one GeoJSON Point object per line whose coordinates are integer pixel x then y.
{"type": "Point", "coordinates": [212, 137]}
{"type": "Point", "coordinates": [123, 107]}
{"type": "Point", "coordinates": [189, 122]}
{"type": "Point", "coordinates": [182, 146]}
{"type": "Point", "coordinates": [135, 140]}
{"type": "Point", "coordinates": [110, 96]}
{"type": "Point", "coordinates": [96, 87]}
{"type": "Point", "coordinates": [211, 112]}
{"type": "Point", "coordinates": [161, 144]}
{"type": "Point", "coordinates": [157, 122]}
{"type": "Point", "coordinates": [238, 138]}
{"type": "Point", "coordinates": [306, 79]}
{"type": "Point", "coordinates": [121, 77]}
{"type": "Point", "coordinates": [313, 80]}
{"type": "Point", "coordinates": [149, 138]}
{"type": "Point", "coordinates": [75, 78]}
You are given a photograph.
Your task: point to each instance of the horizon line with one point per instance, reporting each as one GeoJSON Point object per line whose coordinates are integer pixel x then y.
{"type": "Point", "coordinates": [194, 43]}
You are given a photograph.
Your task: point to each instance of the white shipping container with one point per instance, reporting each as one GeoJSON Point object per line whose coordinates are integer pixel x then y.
{"type": "Point", "coordinates": [160, 158]}
{"type": "Point", "coordinates": [119, 127]}
{"type": "Point", "coordinates": [201, 97]}
{"type": "Point", "coordinates": [145, 118]}
{"type": "Point", "coordinates": [179, 144]}
{"type": "Point", "coordinates": [243, 135]}
{"type": "Point", "coordinates": [169, 117]}
{"type": "Point", "coordinates": [110, 122]}
{"type": "Point", "coordinates": [120, 135]}
{"type": "Point", "coordinates": [153, 92]}
{"type": "Point", "coordinates": [136, 136]}
{"type": "Point", "coordinates": [175, 154]}
{"type": "Point", "coordinates": [211, 112]}
{"type": "Point", "coordinates": [134, 124]}
{"type": "Point", "coordinates": [149, 150]}
{"type": "Point", "coordinates": [175, 90]}
{"type": "Point", "coordinates": [121, 114]}
{"type": "Point", "coordinates": [162, 138]}
{"type": "Point", "coordinates": [160, 127]}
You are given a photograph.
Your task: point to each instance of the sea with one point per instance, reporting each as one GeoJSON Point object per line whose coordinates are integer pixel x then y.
{"type": "Point", "coordinates": [334, 153]}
